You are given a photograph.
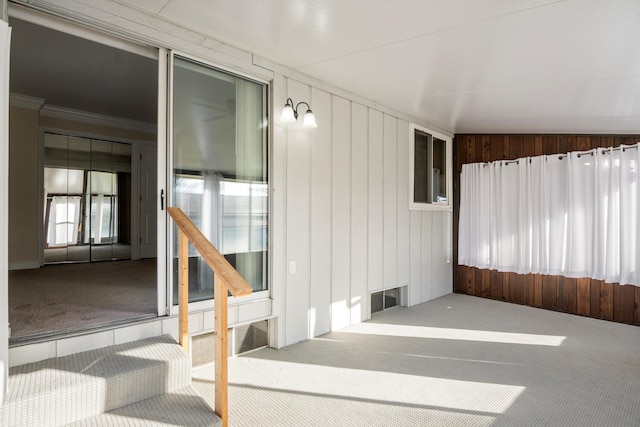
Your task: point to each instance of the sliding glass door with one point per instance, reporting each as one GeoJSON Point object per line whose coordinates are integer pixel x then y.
{"type": "Point", "coordinates": [219, 170]}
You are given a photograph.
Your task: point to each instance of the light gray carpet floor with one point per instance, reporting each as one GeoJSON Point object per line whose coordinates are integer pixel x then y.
{"type": "Point", "coordinates": [74, 296]}
{"type": "Point", "coordinates": [455, 361]}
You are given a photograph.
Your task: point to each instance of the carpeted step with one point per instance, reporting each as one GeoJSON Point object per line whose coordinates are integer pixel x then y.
{"type": "Point", "coordinates": [63, 390]}
{"type": "Point", "coordinates": [183, 407]}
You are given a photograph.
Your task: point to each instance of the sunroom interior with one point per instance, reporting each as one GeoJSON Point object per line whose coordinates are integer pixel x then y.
{"type": "Point", "coordinates": [348, 233]}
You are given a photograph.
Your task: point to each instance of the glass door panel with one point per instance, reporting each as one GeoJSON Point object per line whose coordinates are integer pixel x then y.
{"type": "Point", "coordinates": [79, 163]}
{"type": "Point", "coordinates": [56, 233]}
{"type": "Point", "coordinates": [65, 162]}
{"type": "Point", "coordinates": [220, 170]}
{"type": "Point", "coordinates": [110, 201]}
{"type": "Point", "coordinates": [99, 199]}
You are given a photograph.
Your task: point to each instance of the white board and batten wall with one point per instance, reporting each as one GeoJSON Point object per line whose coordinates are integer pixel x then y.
{"type": "Point", "coordinates": [341, 210]}
{"type": "Point", "coordinates": [340, 223]}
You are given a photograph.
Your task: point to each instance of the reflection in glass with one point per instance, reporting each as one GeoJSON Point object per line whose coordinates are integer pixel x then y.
{"type": "Point", "coordinates": [87, 186]}
{"type": "Point", "coordinates": [383, 300]}
{"type": "Point", "coordinates": [421, 168]}
{"type": "Point", "coordinates": [439, 180]}
{"type": "Point", "coordinates": [430, 169]}
{"type": "Point", "coordinates": [220, 171]}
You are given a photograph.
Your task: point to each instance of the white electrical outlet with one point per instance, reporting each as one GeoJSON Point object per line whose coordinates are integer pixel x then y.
{"type": "Point", "coordinates": [292, 267]}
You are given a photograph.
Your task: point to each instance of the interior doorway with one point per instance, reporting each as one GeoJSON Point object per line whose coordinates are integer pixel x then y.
{"type": "Point", "coordinates": [83, 161]}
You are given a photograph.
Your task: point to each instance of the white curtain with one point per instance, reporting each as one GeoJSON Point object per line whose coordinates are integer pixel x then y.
{"type": "Point", "coordinates": [573, 215]}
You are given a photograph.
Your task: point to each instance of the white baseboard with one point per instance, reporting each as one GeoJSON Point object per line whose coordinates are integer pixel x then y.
{"type": "Point", "coordinates": [23, 265]}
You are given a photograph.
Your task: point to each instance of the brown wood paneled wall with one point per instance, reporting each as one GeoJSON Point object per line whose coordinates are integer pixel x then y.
{"type": "Point", "coordinates": [585, 297]}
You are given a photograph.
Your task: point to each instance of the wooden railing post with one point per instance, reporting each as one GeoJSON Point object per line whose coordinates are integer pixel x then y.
{"type": "Point", "coordinates": [183, 290]}
{"type": "Point", "coordinates": [226, 279]}
{"type": "Point", "coordinates": [221, 349]}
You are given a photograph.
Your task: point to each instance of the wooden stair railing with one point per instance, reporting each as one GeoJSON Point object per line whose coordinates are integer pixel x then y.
{"type": "Point", "coordinates": [226, 279]}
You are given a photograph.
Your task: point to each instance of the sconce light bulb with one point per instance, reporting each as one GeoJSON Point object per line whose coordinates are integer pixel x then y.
{"type": "Point", "coordinates": [309, 120]}
{"type": "Point", "coordinates": [288, 116]}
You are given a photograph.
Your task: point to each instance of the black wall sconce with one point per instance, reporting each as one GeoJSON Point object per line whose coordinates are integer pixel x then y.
{"type": "Point", "coordinates": [290, 114]}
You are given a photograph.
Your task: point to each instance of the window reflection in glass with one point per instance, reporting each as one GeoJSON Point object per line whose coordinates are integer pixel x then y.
{"type": "Point", "coordinates": [430, 165]}
{"type": "Point", "coordinates": [220, 171]}
{"type": "Point", "coordinates": [87, 194]}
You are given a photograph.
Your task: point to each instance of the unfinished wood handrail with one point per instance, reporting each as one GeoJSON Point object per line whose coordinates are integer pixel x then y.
{"type": "Point", "coordinates": [226, 278]}
{"type": "Point", "coordinates": [218, 263]}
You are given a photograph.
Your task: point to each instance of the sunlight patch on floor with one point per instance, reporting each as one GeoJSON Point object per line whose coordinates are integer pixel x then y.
{"type": "Point", "coordinates": [366, 385]}
{"type": "Point", "coordinates": [454, 359]}
{"type": "Point", "coordinates": [454, 334]}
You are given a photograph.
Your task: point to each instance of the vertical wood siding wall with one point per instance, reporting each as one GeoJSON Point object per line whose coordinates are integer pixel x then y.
{"type": "Point", "coordinates": [585, 297]}
{"type": "Point", "coordinates": [341, 214]}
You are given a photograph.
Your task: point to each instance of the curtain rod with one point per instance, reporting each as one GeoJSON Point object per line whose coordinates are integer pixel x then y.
{"type": "Point", "coordinates": [608, 150]}
{"type": "Point", "coordinates": [579, 154]}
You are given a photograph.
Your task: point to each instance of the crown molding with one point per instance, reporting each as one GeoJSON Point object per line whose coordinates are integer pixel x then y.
{"type": "Point", "coordinates": [24, 101]}
{"type": "Point", "coordinates": [97, 119]}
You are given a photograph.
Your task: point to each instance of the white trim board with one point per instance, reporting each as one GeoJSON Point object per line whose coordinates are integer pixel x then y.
{"type": "Point", "coordinates": [199, 323]}
{"type": "Point", "coordinates": [5, 38]}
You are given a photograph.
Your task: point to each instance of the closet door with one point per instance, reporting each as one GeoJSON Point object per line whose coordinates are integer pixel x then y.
{"type": "Point", "coordinates": [66, 162]}
{"type": "Point", "coordinates": [87, 191]}
{"type": "Point", "coordinates": [109, 199]}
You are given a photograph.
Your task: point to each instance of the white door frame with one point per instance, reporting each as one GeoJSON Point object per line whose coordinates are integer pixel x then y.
{"type": "Point", "coordinates": [4, 209]}
{"type": "Point", "coordinates": [206, 304]}
{"type": "Point", "coordinates": [164, 86]}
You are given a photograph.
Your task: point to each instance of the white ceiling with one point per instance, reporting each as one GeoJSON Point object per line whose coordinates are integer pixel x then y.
{"type": "Point", "coordinates": [72, 72]}
{"type": "Point", "coordinates": [466, 65]}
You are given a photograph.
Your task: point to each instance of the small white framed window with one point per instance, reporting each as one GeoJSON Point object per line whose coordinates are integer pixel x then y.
{"type": "Point", "coordinates": [430, 169]}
